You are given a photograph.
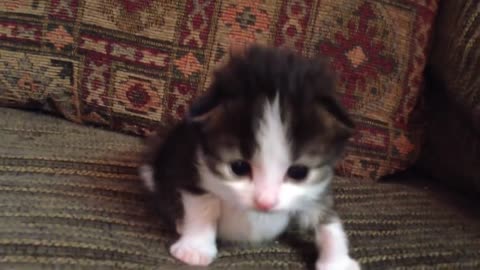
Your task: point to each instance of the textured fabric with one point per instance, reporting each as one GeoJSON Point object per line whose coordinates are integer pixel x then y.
{"type": "Point", "coordinates": [451, 152]}
{"type": "Point", "coordinates": [69, 197]}
{"type": "Point", "coordinates": [134, 65]}
{"type": "Point", "coordinates": [455, 58]}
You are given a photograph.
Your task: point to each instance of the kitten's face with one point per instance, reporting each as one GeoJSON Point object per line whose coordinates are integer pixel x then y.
{"type": "Point", "coordinates": [272, 145]}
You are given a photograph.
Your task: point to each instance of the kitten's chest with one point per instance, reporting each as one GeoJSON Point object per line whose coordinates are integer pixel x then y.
{"type": "Point", "coordinates": [240, 225]}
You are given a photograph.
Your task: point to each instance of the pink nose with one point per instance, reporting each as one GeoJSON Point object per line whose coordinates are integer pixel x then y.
{"type": "Point", "coordinates": [264, 204]}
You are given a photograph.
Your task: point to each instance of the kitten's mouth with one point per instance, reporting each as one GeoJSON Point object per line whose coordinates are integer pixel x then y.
{"type": "Point", "coordinates": [267, 211]}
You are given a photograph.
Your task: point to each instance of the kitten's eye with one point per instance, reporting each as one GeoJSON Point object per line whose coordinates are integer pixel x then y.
{"type": "Point", "coordinates": [240, 168]}
{"type": "Point", "coordinates": [297, 172]}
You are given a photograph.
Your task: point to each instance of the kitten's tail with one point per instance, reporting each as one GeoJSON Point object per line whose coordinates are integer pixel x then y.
{"type": "Point", "coordinates": [146, 174]}
{"type": "Point", "coordinates": [146, 170]}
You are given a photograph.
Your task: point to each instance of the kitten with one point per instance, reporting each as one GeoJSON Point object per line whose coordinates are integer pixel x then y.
{"type": "Point", "coordinates": [255, 152]}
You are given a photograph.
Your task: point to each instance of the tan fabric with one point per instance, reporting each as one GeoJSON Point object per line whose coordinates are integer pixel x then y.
{"type": "Point", "coordinates": [70, 199]}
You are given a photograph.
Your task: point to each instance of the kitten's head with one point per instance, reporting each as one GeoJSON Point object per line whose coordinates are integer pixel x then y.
{"type": "Point", "coordinates": [271, 130]}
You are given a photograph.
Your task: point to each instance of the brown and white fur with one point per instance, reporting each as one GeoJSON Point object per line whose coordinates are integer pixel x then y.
{"type": "Point", "coordinates": [256, 152]}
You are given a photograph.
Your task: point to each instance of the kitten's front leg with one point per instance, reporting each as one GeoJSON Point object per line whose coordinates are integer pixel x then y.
{"type": "Point", "coordinates": [196, 245]}
{"type": "Point", "coordinates": [333, 245]}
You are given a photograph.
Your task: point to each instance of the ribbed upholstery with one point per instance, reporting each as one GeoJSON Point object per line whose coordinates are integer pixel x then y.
{"type": "Point", "coordinates": [455, 56]}
{"type": "Point", "coordinates": [70, 198]}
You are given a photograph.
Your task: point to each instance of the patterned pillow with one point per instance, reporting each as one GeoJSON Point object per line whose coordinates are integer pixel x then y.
{"type": "Point", "coordinates": [133, 65]}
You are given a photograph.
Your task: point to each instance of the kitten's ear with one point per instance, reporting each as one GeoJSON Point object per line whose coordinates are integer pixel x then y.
{"type": "Point", "coordinates": [344, 124]}
{"type": "Point", "coordinates": [205, 106]}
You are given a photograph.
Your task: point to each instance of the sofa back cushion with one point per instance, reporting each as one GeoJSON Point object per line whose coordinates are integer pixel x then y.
{"type": "Point", "coordinates": [134, 66]}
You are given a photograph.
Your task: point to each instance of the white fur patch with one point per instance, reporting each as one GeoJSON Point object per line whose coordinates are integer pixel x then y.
{"type": "Point", "coordinates": [146, 174]}
{"type": "Point", "coordinates": [196, 245]}
{"type": "Point", "coordinates": [271, 136]}
{"type": "Point", "coordinates": [297, 197]}
{"type": "Point", "coordinates": [345, 263]}
{"type": "Point", "coordinates": [243, 225]}
{"type": "Point", "coordinates": [272, 158]}
{"type": "Point", "coordinates": [332, 241]}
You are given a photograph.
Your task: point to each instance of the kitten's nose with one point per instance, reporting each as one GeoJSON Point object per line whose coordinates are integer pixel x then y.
{"type": "Point", "coordinates": [264, 203]}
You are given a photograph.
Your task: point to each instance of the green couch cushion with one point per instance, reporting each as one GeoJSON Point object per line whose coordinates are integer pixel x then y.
{"type": "Point", "coordinates": [70, 198]}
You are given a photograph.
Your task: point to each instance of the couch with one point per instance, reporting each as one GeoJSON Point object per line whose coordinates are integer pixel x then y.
{"type": "Point", "coordinates": [70, 197]}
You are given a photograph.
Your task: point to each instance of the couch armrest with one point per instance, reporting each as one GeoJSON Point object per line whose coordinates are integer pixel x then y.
{"type": "Point", "coordinates": [455, 56]}
{"type": "Point", "coordinates": [451, 149]}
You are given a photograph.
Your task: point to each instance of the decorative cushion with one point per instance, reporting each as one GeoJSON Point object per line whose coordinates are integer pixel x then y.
{"type": "Point", "coordinates": [135, 65]}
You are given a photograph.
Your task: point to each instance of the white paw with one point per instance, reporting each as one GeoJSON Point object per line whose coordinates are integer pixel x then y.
{"type": "Point", "coordinates": [194, 252]}
{"type": "Point", "coordinates": [345, 263]}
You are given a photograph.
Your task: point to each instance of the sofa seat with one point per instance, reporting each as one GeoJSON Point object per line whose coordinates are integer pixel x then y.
{"type": "Point", "coordinates": [70, 199]}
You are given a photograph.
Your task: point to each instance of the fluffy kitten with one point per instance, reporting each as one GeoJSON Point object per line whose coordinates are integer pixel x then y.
{"type": "Point", "coordinates": [255, 152]}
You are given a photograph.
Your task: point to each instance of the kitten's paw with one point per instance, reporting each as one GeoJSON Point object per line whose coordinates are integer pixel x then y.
{"type": "Point", "coordinates": [345, 263]}
{"type": "Point", "coordinates": [194, 252]}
